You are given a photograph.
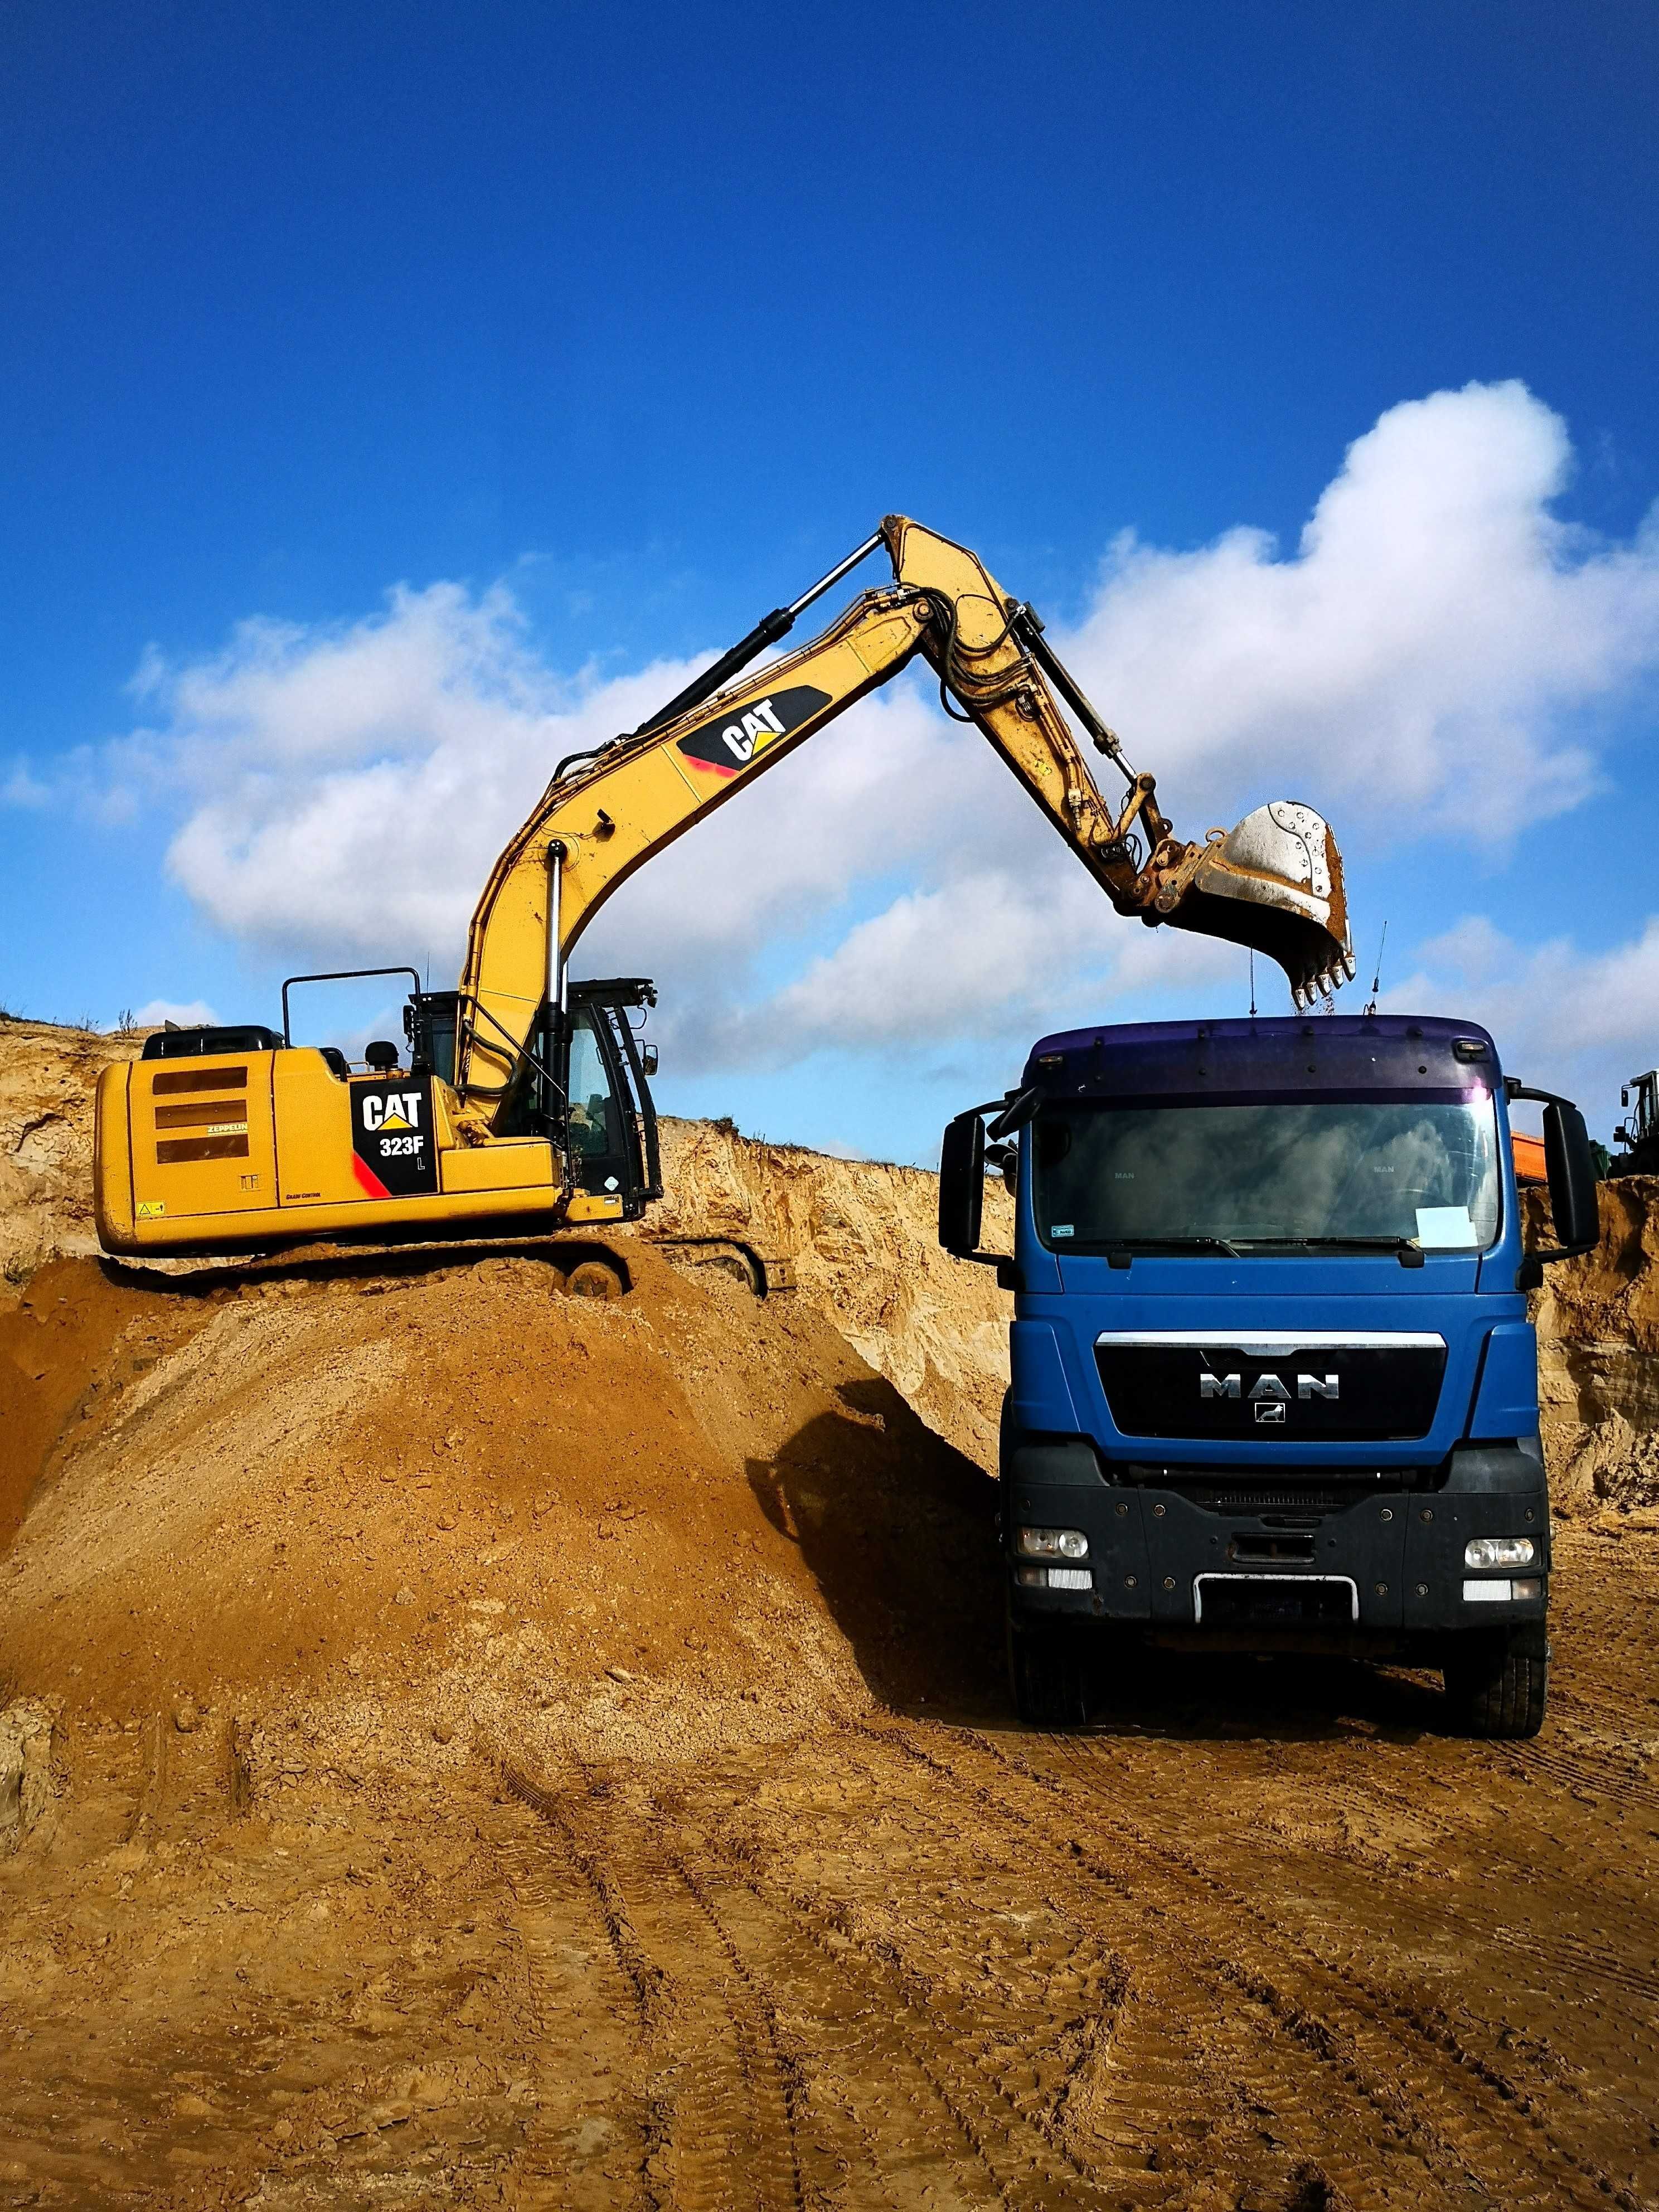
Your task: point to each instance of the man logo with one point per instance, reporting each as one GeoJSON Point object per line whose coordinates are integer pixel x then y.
{"type": "Point", "coordinates": [1267, 1393]}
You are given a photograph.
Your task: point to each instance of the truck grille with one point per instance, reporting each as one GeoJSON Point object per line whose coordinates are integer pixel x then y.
{"type": "Point", "coordinates": [1319, 1386]}
{"type": "Point", "coordinates": [1273, 1489]}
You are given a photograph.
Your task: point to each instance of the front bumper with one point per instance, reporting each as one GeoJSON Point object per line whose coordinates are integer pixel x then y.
{"type": "Point", "coordinates": [1285, 1558]}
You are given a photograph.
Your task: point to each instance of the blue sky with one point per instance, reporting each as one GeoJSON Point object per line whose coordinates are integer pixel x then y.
{"type": "Point", "coordinates": [586, 335]}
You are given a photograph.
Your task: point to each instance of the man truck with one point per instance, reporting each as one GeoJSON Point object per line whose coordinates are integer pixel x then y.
{"type": "Point", "coordinates": [1274, 1387]}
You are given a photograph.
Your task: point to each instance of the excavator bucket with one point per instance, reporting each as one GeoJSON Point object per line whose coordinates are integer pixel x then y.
{"type": "Point", "coordinates": [1274, 883]}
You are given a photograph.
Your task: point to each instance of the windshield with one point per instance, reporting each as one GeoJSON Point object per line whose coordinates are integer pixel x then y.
{"type": "Point", "coordinates": [1276, 1175]}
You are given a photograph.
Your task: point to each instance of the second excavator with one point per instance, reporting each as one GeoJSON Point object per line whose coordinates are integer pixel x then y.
{"type": "Point", "coordinates": [525, 1103]}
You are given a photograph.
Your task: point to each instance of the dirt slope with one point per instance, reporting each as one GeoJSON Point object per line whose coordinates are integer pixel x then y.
{"type": "Point", "coordinates": [47, 1074]}
{"type": "Point", "coordinates": [863, 1239]}
{"type": "Point", "coordinates": [388, 1486]}
{"type": "Point", "coordinates": [1598, 1347]}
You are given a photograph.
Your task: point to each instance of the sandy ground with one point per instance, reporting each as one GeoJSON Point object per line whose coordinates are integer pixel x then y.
{"type": "Point", "coordinates": [513, 1750]}
{"type": "Point", "coordinates": [1264, 1939]}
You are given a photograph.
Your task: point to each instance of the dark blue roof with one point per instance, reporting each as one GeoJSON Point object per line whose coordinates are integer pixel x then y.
{"type": "Point", "coordinates": [1275, 1054]}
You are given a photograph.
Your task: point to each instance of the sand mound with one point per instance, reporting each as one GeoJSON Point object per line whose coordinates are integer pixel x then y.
{"type": "Point", "coordinates": [389, 1510]}
{"type": "Point", "coordinates": [1605, 1463]}
{"type": "Point", "coordinates": [379, 1515]}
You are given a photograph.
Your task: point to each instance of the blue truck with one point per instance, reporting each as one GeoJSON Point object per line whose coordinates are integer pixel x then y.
{"type": "Point", "coordinates": [1274, 1388]}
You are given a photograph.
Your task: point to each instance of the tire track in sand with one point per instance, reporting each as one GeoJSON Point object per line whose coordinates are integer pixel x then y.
{"type": "Point", "coordinates": [1459, 2119]}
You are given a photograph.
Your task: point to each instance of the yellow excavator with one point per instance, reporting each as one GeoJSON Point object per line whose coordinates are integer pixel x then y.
{"type": "Point", "coordinates": [525, 1104]}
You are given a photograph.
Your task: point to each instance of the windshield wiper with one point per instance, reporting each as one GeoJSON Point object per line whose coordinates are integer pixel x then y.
{"type": "Point", "coordinates": [1410, 1254]}
{"type": "Point", "coordinates": [1173, 1244]}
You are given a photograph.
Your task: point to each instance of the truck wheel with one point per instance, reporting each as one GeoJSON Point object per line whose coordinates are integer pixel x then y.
{"type": "Point", "coordinates": [1498, 1686]}
{"type": "Point", "coordinates": [1047, 1676]}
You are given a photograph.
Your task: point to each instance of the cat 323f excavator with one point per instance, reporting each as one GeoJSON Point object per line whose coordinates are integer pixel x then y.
{"type": "Point", "coordinates": [526, 1103]}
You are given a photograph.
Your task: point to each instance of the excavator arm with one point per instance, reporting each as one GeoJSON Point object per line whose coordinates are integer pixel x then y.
{"type": "Point", "coordinates": [1274, 883]}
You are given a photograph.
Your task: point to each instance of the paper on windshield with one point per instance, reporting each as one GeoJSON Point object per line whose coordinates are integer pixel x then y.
{"type": "Point", "coordinates": [1446, 1228]}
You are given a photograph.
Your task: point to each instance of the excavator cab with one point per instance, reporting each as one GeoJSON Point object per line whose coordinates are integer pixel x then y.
{"type": "Point", "coordinates": [584, 1086]}
{"type": "Point", "coordinates": [609, 1122]}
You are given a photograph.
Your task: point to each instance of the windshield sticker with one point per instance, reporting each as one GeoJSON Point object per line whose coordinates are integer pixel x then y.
{"type": "Point", "coordinates": [1447, 1228]}
{"type": "Point", "coordinates": [1062, 1229]}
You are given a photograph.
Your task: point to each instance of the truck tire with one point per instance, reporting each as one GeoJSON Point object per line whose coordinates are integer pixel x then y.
{"type": "Point", "coordinates": [1049, 1677]}
{"type": "Point", "coordinates": [1498, 1686]}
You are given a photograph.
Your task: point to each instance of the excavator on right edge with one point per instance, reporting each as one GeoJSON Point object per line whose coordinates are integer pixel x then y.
{"type": "Point", "coordinates": [1638, 1138]}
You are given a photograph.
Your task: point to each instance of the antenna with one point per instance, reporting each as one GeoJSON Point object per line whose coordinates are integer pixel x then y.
{"type": "Point", "coordinates": [1252, 982]}
{"type": "Point", "coordinates": [1376, 978]}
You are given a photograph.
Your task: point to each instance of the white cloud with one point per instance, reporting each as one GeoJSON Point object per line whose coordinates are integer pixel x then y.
{"type": "Point", "coordinates": [1426, 654]}
{"type": "Point", "coordinates": [1426, 663]}
{"type": "Point", "coordinates": [994, 955]}
{"type": "Point", "coordinates": [1565, 1019]}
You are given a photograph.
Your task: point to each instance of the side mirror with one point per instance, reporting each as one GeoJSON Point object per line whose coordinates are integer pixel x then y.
{"type": "Point", "coordinates": [961, 1185]}
{"type": "Point", "coordinates": [1570, 1170]}
{"type": "Point", "coordinates": [648, 1058]}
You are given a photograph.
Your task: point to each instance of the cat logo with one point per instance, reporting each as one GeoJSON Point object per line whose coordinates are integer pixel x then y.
{"type": "Point", "coordinates": [394, 1109]}
{"type": "Point", "coordinates": [727, 747]}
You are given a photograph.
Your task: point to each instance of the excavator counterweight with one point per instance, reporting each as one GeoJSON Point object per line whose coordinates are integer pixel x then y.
{"type": "Point", "coordinates": [526, 1100]}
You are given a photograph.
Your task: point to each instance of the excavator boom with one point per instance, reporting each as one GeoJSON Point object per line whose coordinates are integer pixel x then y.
{"type": "Point", "coordinates": [1273, 882]}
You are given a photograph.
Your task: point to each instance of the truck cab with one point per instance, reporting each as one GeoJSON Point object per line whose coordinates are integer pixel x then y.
{"type": "Point", "coordinates": [1274, 1387]}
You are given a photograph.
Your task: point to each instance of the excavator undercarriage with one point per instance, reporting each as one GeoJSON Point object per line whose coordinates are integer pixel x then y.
{"type": "Point", "coordinates": [526, 1101]}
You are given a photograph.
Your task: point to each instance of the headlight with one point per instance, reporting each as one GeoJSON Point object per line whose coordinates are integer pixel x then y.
{"type": "Point", "coordinates": [1498, 1552]}
{"type": "Point", "coordinates": [1053, 1544]}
